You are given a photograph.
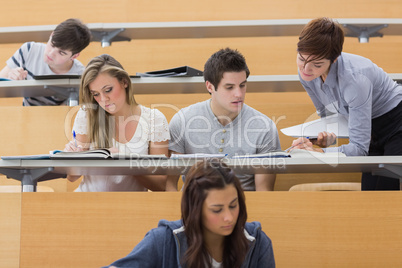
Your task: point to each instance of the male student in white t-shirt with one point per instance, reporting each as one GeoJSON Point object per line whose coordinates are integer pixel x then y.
{"type": "Point", "coordinates": [58, 56]}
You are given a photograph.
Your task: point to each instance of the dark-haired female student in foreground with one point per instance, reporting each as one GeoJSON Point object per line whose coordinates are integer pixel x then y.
{"type": "Point", "coordinates": [354, 86]}
{"type": "Point", "coordinates": [212, 232]}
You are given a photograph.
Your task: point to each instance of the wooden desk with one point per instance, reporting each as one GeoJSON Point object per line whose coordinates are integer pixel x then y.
{"type": "Point", "coordinates": [10, 227]}
{"type": "Point", "coordinates": [33, 88]}
{"type": "Point", "coordinates": [308, 229]}
{"type": "Point", "coordinates": [152, 85]}
{"type": "Point", "coordinates": [29, 172]}
{"type": "Point", "coordinates": [109, 32]}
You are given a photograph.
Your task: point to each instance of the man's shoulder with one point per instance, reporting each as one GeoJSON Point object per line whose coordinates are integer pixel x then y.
{"type": "Point", "coordinates": [249, 111]}
{"type": "Point", "coordinates": [196, 106]}
{"type": "Point", "coordinates": [193, 110]}
{"type": "Point", "coordinates": [34, 46]}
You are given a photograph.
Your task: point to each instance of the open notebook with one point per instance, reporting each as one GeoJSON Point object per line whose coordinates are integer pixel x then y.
{"type": "Point", "coordinates": [89, 154]}
{"type": "Point", "coordinates": [102, 154]}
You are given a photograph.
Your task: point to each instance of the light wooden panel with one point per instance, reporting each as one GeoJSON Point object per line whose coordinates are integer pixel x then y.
{"type": "Point", "coordinates": [338, 229]}
{"type": "Point", "coordinates": [88, 229]}
{"type": "Point", "coordinates": [51, 12]}
{"type": "Point", "coordinates": [35, 130]}
{"type": "Point", "coordinates": [10, 224]}
{"type": "Point", "coordinates": [308, 229]}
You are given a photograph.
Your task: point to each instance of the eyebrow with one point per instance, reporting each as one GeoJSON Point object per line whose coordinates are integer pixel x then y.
{"type": "Point", "coordinates": [219, 205]}
{"type": "Point", "coordinates": [101, 88]}
{"type": "Point", "coordinates": [229, 84]}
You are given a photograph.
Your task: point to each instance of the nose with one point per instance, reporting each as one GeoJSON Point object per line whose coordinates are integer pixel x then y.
{"type": "Point", "coordinates": [308, 66]}
{"type": "Point", "coordinates": [51, 52]}
{"type": "Point", "coordinates": [228, 216]}
{"type": "Point", "coordinates": [238, 92]}
{"type": "Point", "coordinates": [103, 97]}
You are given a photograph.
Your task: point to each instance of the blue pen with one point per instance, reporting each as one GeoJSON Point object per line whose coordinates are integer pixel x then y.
{"type": "Point", "coordinates": [75, 140]}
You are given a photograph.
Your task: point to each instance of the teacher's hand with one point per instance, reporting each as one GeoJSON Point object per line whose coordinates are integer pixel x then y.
{"type": "Point", "coordinates": [325, 139]}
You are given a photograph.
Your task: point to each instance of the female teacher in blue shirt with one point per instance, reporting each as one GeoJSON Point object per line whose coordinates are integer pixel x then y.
{"type": "Point", "coordinates": [339, 82]}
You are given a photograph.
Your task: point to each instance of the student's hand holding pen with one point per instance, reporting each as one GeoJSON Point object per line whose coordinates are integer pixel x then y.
{"type": "Point", "coordinates": [301, 143]}
{"type": "Point", "coordinates": [324, 139]}
{"type": "Point", "coordinates": [73, 146]}
{"type": "Point", "coordinates": [17, 74]}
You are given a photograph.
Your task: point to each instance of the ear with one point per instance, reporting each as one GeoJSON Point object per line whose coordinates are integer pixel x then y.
{"type": "Point", "coordinates": [210, 87]}
{"type": "Point", "coordinates": [73, 57]}
{"type": "Point", "coordinates": [125, 83]}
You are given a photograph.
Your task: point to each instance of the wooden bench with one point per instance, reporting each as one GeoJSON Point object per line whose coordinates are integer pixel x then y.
{"type": "Point", "coordinates": [308, 229]}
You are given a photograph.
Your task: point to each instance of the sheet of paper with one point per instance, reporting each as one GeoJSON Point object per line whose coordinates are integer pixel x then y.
{"type": "Point", "coordinates": [336, 123]}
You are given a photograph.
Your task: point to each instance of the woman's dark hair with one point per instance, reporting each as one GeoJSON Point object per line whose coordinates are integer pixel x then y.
{"type": "Point", "coordinates": [202, 177]}
{"type": "Point", "coordinates": [321, 38]}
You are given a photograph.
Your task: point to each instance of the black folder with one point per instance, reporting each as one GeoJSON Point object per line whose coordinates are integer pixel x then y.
{"type": "Point", "coordinates": [56, 76]}
{"type": "Point", "coordinates": [185, 71]}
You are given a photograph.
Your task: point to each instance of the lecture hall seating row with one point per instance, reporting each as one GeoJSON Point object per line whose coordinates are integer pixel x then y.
{"type": "Point", "coordinates": [308, 229]}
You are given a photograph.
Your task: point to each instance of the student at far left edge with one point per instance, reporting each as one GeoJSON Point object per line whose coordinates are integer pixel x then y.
{"type": "Point", "coordinates": [58, 56]}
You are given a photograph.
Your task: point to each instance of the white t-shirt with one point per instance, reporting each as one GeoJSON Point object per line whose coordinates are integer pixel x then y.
{"type": "Point", "coordinates": [216, 264]}
{"type": "Point", "coordinates": [152, 127]}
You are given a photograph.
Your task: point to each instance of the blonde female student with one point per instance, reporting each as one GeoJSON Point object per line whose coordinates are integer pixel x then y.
{"type": "Point", "coordinates": [213, 232]}
{"type": "Point", "coordinates": [109, 117]}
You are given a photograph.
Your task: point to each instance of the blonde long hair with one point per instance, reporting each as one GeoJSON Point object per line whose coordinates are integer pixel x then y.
{"type": "Point", "coordinates": [101, 123]}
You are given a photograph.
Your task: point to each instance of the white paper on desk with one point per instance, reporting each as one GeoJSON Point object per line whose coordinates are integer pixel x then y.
{"type": "Point", "coordinates": [275, 154]}
{"type": "Point", "coordinates": [195, 156]}
{"type": "Point", "coordinates": [336, 123]}
{"type": "Point", "coordinates": [300, 153]}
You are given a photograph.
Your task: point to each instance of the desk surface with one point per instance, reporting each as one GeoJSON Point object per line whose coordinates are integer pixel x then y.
{"type": "Point", "coordinates": [195, 29]}
{"type": "Point", "coordinates": [34, 88]}
{"type": "Point", "coordinates": [154, 85]}
{"type": "Point", "coordinates": [180, 166]}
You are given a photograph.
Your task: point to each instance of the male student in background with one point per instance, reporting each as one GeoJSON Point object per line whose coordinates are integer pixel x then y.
{"type": "Point", "coordinates": [58, 56]}
{"type": "Point", "coordinates": [223, 124]}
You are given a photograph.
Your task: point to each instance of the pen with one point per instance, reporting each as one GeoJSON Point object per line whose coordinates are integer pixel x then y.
{"type": "Point", "coordinates": [291, 147]}
{"type": "Point", "coordinates": [75, 140]}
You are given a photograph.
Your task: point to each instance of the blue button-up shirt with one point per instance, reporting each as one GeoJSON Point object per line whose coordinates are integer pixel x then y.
{"type": "Point", "coordinates": [359, 89]}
